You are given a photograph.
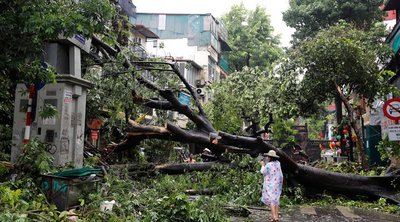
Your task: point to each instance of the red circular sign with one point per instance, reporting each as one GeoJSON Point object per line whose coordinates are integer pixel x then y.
{"type": "Point", "coordinates": [94, 135]}
{"type": "Point", "coordinates": [391, 109]}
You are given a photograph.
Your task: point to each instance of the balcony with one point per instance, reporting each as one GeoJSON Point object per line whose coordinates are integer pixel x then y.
{"type": "Point", "coordinates": [139, 51]}
{"type": "Point", "coordinates": [393, 38]}
{"type": "Point", "coordinates": [223, 63]}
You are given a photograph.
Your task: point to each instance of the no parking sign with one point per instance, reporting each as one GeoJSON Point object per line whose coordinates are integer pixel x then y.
{"type": "Point", "coordinates": [391, 109]}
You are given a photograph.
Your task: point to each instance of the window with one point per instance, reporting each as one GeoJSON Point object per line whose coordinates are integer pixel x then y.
{"type": "Point", "coordinates": [191, 75]}
{"type": "Point", "coordinates": [162, 20]}
{"type": "Point", "coordinates": [23, 105]}
{"type": "Point", "coordinates": [211, 70]}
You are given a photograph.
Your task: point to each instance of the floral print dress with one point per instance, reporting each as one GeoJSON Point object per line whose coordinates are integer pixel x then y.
{"type": "Point", "coordinates": [272, 183]}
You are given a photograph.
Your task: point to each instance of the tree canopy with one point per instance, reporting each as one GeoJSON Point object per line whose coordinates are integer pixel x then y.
{"type": "Point", "coordinates": [252, 95]}
{"type": "Point", "coordinates": [26, 26]}
{"type": "Point", "coordinates": [250, 37]}
{"type": "Point", "coordinates": [342, 58]}
{"type": "Point", "coordinates": [340, 62]}
{"type": "Point", "coordinates": [310, 16]}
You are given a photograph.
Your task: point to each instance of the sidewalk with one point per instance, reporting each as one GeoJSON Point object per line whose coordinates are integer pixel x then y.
{"type": "Point", "coordinates": [320, 214]}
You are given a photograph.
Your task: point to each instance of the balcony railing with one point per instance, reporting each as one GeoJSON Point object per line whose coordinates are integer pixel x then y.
{"type": "Point", "coordinates": [140, 51]}
{"type": "Point", "coordinates": [223, 64]}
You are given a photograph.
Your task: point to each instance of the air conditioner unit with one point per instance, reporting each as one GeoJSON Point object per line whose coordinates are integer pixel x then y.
{"type": "Point", "coordinates": [200, 82]}
{"type": "Point", "coordinates": [201, 92]}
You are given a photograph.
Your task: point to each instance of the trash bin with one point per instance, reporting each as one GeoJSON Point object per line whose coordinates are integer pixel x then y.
{"type": "Point", "coordinates": [65, 188]}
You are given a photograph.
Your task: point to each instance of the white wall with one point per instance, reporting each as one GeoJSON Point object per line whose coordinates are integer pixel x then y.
{"type": "Point", "coordinates": [177, 48]}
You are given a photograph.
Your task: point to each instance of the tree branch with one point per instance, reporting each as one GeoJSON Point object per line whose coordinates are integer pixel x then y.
{"type": "Point", "coordinates": [136, 127]}
{"type": "Point", "coordinates": [257, 146]}
{"type": "Point", "coordinates": [203, 139]}
{"type": "Point", "coordinates": [100, 44]}
{"type": "Point", "coordinates": [137, 132]}
{"type": "Point", "coordinates": [350, 110]}
{"type": "Point", "coordinates": [189, 88]}
{"type": "Point", "coordinates": [181, 77]}
{"type": "Point", "coordinates": [151, 103]}
{"type": "Point", "coordinates": [200, 121]}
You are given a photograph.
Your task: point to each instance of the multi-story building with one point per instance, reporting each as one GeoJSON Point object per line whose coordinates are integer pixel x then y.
{"type": "Point", "coordinates": [393, 39]}
{"type": "Point", "coordinates": [196, 40]}
{"type": "Point", "coordinates": [140, 34]}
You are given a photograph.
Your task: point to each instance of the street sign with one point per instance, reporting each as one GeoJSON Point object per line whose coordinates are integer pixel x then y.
{"type": "Point", "coordinates": [391, 109]}
{"type": "Point", "coordinates": [394, 133]}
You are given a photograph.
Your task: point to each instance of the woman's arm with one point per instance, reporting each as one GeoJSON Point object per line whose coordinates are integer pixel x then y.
{"type": "Point", "coordinates": [264, 168]}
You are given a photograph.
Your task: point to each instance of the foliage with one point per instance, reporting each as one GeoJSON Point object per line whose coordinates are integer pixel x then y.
{"type": "Point", "coordinates": [111, 97]}
{"type": "Point", "coordinates": [35, 22]}
{"type": "Point", "coordinates": [111, 93]}
{"type": "Point", "coordinates": [283, 132]}
{"type": "Point", "coordinates": [159, 151]}
{"type": "Point", "coordinates": [162, 198]}
{"type": "Point", "coordinates": [339, 57]}
{"type": "Point", "coordinates": [310, 16]}
{"type": "Point", "coordinates": [178, 207]}
{"type": "Point", "coordinates": [237, 98]}
{"type": "Point", "coordinates": [351, 168]}
{"type": "Point", "coordinates": [388, 148]}
{"type": "Point", "coordinates": [6, 104]}
{"type": "Point", "coordinates": [316, 124]}
{"type": "Point", "coordinates": [48, 111]}
{"type": "Point", "coordinates": [250, 94]}
{"type": "Point", "coordinates": [292, 195]}
{"type": "Point", "coordinates": [34, 158]}
{"type": "Point", "coordinates": [5, 142]}
{"type": "Point", "coordinates": [251, 39]}
{"type": "Point", "coordinates": [23, 201]}
{"type": "Point", "coordinates": [92, 161]}
{"type": "Point", "coordinates": [25, 28]}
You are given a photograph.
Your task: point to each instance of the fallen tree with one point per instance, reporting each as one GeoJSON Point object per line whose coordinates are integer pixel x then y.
{"type": "Point", "coordinates": [353, 185]}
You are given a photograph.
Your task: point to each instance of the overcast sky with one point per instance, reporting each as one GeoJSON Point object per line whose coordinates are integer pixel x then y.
{"type": "Point", "coordinates": [217, 8]}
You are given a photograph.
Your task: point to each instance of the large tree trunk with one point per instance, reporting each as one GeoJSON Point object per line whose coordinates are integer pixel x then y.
{"type": "Point", "coordinates": [386, 187]}
{"type": "Point", "coordinates": [359, 142]}
{"type": "Point", "coordinates": [310, 177]}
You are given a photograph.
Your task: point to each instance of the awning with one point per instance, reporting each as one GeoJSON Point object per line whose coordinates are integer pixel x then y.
{"type": "Point", "coordinates": [145, 31]}
{"type": "Point", "coordinates": [194, 64]}
{"type": "Point", "coordinates": [224, 46]}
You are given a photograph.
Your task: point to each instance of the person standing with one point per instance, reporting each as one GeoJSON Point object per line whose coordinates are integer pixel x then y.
{"type": "Point", "coordinates": [272, 183]}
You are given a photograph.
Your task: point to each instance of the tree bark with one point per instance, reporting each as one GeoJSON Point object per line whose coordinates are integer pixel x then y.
{"type": "Point", "coordinates": [359, 142]}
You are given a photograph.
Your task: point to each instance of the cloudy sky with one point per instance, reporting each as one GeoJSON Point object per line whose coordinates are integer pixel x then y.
{"type": "Point", "coordinates": [218, 7]}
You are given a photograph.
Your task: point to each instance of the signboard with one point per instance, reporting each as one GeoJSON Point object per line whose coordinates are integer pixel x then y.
{"type": "Point", "coordinates": [184, 98]}
{"type": "Point", "coordinates": [391, 109]}
{"type": "Point", "coordinates": [394, 133]}
{"type": "Point", "coordinates": [78, 40]}
{"type": "Point", "coordinates": [67, 96]}
{"type": "Point", "coordinates": [385, 124]}
{"type": "Point", "coordinates": [94, 135]}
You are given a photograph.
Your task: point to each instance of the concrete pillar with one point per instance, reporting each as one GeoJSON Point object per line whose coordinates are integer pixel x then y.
{"type": "Point", "coordinates": [65, 132]}
{"type": "Point", "coordinates": [75, 61]}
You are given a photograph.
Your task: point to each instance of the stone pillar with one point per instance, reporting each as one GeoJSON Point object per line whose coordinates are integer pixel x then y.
{"type": "Point", "coordinates": [63, 134]}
